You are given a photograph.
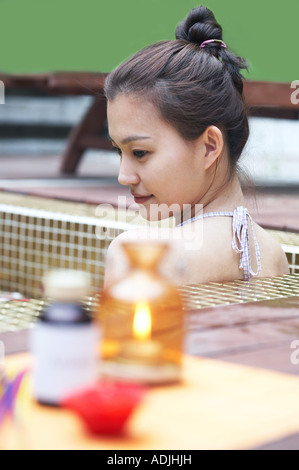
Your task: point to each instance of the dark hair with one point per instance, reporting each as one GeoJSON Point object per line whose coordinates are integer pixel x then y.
{"type": "Point", "coordinates": [193, 87]}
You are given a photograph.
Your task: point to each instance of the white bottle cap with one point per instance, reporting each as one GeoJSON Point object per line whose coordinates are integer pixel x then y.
{"type": "Point", "coordinates": [66, 285]}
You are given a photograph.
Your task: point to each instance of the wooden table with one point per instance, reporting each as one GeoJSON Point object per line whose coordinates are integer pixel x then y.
{"type": "Point", "coordinates": [239, 390]}
{"type": "Point", "coordinates": [257, 334]}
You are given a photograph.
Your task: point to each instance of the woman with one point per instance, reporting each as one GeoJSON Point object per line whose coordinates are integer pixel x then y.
{"type": "Point", "coordinates": [177, 118]}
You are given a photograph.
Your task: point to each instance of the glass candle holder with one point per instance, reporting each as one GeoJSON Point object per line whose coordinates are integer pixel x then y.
{"type": "Point", "coordinates": [141, 317]}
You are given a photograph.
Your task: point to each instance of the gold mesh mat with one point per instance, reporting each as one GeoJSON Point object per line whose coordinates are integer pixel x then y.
{"type": "Point", "coordinates": [213, 294]}
{"type": "Point", "coordinates": [16, 315]}
{"type": "Point", "coordinates": [37, 234]}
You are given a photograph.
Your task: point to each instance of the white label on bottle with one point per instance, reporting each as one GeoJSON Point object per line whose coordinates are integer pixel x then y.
{"type": "Point", "coordinates": [65, 359]}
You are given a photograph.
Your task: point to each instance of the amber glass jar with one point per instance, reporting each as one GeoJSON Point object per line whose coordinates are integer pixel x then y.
{"type": "Point", "coordinates": [141, 316]}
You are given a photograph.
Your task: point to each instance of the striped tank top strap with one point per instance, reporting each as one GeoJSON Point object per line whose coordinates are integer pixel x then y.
{"type": "Point", "coordinates": [241, 242]}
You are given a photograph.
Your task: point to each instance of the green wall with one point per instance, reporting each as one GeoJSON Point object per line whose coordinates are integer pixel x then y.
{"type": "Point", "coordinates": [95, 35]}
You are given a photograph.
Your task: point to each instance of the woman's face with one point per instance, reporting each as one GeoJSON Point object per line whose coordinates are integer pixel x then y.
{"type": "Point", "coordinates": [162, 170]}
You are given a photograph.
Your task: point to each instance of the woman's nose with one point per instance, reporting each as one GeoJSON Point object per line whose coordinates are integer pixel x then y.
{"type": "Point", "coordinates": [127, 174]}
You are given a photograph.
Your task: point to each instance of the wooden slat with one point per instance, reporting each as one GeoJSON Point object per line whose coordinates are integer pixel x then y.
{"type": "Point", "coordinates": [272, 94]}
{"type": "Point", "coordinates": [70, 83]}
{"type": "Point", "coordinates": [19, 81]}
{"type": "Point", "coordinates": [257, 93]}
{"type": "Point", "coordinates": [258, 334]}
{"type": "Point", "coordinates": [78, 83]}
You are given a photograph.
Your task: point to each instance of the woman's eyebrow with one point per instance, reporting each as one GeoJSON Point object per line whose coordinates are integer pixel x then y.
{"type": "Point", "coordinates": [131, 138]}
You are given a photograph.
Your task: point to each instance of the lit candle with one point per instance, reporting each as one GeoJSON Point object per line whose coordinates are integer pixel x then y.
{"type": "Point", "coordinates": [142, 358]}
{"type": "Point", "coordinates": [142, 322]}
{"type": "Point", "coordinates": [142, 347]}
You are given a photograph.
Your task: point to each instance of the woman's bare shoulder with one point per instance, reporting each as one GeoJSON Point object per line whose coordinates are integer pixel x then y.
{"type": "Point", "coordinates": [218, 239]}
{"type": "Point", "coordinates": [200, 253]}
{"type": "Point", "coordinates": [192, 256]}
{"type": "Point", "coordinates": [183, 248]}
{"type": "Point", "coordinates": [273, 258]}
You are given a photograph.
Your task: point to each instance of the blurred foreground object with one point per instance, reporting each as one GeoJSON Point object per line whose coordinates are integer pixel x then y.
{"type": "Point", "coordinates": [11, 425]}
{"type": "Point", "coordinates": [65, 339]}
{"type": "Point", "coordinates": [105, 407]}
{"type": "Point", "coordinates": [142, 320]}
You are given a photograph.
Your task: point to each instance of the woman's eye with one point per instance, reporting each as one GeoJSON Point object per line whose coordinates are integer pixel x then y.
{"type": "Point", "coordinates": [139, 153]}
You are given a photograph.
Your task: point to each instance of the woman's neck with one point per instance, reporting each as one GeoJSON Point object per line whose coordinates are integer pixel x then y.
{"type": "Point", "coordinates": [224, 197]}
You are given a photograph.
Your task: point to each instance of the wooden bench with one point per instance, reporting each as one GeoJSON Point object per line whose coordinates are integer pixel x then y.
{"type": "Point", "coordinates": [264, 99]}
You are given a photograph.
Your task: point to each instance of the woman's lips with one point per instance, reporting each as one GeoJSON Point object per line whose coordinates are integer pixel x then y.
{"type": "Point", "coordinates": [139, 199]}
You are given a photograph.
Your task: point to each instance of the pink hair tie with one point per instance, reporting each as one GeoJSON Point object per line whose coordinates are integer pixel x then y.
{"type": "Point", "coordinates": [209, 41]}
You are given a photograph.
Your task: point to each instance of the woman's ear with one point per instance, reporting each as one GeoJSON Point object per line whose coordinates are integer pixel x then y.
{"type": "Point", "coordinates": [213, 142]}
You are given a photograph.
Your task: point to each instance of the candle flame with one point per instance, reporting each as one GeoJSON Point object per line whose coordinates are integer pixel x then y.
{"type": "Point", "coordinates": [142, 323]}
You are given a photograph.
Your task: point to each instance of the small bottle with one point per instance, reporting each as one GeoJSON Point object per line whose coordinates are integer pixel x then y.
{"type": "Point", "coordinates": [65, 340]}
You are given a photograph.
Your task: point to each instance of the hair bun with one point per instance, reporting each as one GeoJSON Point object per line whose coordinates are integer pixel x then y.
{"type": "Point", "coordinates": [200, 25]}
